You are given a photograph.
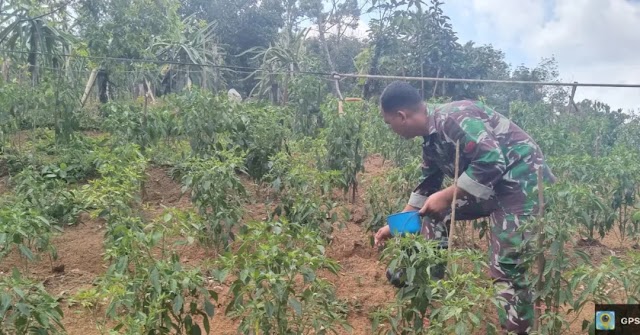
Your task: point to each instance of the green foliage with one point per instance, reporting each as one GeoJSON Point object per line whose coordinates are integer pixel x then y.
{"type": "Point", "coordinates": [267, 294]}
{"type": "Point", "coordinates": [345, 143]}
{"type": "Point", "coordinates": [50, 103]}
{"type": "Point", "coordinates": [147, 294]}
{"type": "Point", "coordinates": [215, 190]}
{"type": "Point", "coordinates": [213, 123]}
{"type": "Point", "coordinates": [117, 190]}
{"type": "Point", "coordinates": [388, 193]}
{"type": "Point", "coordinates": [306, 94]}
{"type": "Point", "coordinates": [267, 131]}
{"type": "Point", "coordinates": [456, 304]}
{"type": "Point", "coordinates": [303, 192]}
{"type": "Point", "coordinates": [46, 193]}
{"type": "Point", "coordinates": [26, 229]}
{"type": "Point", "coordinates": [133, 123]}
{"type": "Point", "coordinates": [27, 308]}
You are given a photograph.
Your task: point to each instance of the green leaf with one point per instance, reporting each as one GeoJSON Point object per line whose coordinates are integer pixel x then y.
{"type": "Point", "coordinates": [26, 252]}
{"type": "Point", "coordinates": [411, 274]}
{"type": "Point", "coordinates": [177, 304]}
{"type": "Point", "coordinates": [296, 305]}
{"type": "Point", "coordinates": [23, 308]}
{"type": "Point", "coordinates": [5, 302]}
{"type": "Point", "coordinates": [195, 330]}
{"type": "Point", "coordinates": [208, 307]}
{"type": "Point", "coordinates": [155, 279]}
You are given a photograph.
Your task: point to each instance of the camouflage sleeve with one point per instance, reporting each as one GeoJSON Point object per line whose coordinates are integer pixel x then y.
{"type": "Point", "coordinates": [430, 183]}
{"type": "Point", "coordinates": [487, 163]}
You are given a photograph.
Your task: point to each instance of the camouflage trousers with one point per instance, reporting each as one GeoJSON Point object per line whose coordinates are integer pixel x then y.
{"type": "Point", "coordinates": [507, 268]}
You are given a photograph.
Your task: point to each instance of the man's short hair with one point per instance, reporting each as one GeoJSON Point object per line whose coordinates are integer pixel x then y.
{"type": "Point", "coordinates": [399, 95]}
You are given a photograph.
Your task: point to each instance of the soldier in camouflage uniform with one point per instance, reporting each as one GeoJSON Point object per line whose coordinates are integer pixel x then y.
{"type": "Point", "coordinates": [498, 178]}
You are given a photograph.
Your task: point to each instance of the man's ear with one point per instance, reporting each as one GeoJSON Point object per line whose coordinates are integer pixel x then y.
{"type": "Point", "coordinates": [402, 115]}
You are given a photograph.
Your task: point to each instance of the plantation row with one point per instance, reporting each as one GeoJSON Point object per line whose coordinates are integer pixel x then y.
{"type": "Point", "coordinates": [305, 164]}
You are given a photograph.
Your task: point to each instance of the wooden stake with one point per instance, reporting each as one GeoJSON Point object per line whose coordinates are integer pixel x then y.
{"type": "Point", "coordinates": [435, 85]}
{"type": "Point", "coordinates": [5, 70]}
{"type": "Point", "coordinates": [455, 196]}
{"type": "Point", "coordinates": [541, 260]}
{"type": "Point", "coordinates": [89, 86]}
{"type": "Point", "coordinates": [149, 91]}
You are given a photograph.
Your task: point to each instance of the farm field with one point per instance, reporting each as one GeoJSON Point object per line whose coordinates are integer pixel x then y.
{"type": "Point", "coordinates": [160, 219]}
{"type": "Point", "coordinates": [221, 167]}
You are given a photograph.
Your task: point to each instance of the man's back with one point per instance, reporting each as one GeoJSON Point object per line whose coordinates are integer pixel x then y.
{"type": "Point", "coordinates": [498, 157]}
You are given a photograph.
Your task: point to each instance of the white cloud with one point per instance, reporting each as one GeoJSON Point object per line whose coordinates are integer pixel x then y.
{"type": "Point", "coordinates": [592, 40]}
{"type": "Point", "coordinates": [509, 20]}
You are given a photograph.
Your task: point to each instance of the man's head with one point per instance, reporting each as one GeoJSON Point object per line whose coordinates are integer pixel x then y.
{"type": "Point", "coordinates": [403, 110]}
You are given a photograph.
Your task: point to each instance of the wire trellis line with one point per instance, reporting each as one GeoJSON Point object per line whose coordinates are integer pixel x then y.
{"type": "Point", "coordinates": [335, 75]}
{"type": "Point", "coordinates": [487, 81]}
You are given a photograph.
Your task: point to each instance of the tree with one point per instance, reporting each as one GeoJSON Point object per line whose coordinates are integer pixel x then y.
{"type": "Point", "coordinates": [242, 25]}
{"type": "Point", "coordinates": [36, 29]}
{"type": "Point", "coordinates": [127, 29]}
{"type": "Point", "coordinates": [196, 45]}
{"type": "Point", "coordinates": [340, 16]}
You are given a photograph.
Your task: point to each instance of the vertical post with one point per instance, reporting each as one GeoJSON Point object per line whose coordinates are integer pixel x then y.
{"type": "Point", "coordinates": [143, 147]}
{"type": "Point", "coordinates": [573, 94]}
{"type": "Point", "coordinates": [455, 195]}
{"type": "Point", "coordinates": [336, 81]}
{"type": "Point", "coordinates": [5, 70]}
{"type": "Point", "coordinates": [421, 81]}
{"type": "Point", "coordinates": [435, 85]}
{"type": "Point", "coordinates": [89, 86]}
{"type": "Point", "coordinates": [203, 83]}
{"type": "Point", "coordinates": [274, 88]}
{"type": "Point", "coordinates": [541, 260]}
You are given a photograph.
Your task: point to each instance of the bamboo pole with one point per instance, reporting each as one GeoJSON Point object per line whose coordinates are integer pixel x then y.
{"type": "Point", "coordinates": [149, 91]}
{"type": "Point", "coordinates": [541, 259]}
{"type": "Point", "coordinates": [455, 196]}
{"type": "Point", "coordinates": [89, 86]}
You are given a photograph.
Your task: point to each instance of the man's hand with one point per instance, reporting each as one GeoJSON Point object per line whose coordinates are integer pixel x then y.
{"type": "Point", "coordinates": [438, 202]}
{"type": "Point", "coordinates": [382, 235]}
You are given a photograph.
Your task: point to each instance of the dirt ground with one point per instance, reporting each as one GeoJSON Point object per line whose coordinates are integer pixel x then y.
{"type": "Point", "coordinates": [361, 282]}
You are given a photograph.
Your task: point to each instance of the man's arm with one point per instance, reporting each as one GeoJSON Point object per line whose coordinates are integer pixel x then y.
{"type": "Point", "coordinates": [431, 183]}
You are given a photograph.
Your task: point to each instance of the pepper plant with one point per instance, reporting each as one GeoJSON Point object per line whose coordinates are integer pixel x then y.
{"type": "Point", "coordinates": [27, 308]}
{"type": "Point", "coordinates": [303, 192]}
{"type": "Point", "coordinates": [345, 143]}
{"type": "Point", "coordinates": [266, 293]}
{"type": "Point", "coordinates": [456, 304]}
{"type": "Point", "coordinates": [216, 191]}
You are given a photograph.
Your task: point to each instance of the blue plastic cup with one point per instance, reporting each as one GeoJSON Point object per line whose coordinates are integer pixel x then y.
{"type": "Point", "coordinates": [404, 223]}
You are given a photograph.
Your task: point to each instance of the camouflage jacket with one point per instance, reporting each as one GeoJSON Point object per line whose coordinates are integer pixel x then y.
{"type": "Point", "coordinates": [498, 160]}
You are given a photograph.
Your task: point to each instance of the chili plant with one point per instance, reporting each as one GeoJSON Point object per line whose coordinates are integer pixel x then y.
{"type": "Point", "coordinates": [455, 304]}
{"type": "Point", "coordinates": [266, 294]}
{"type": "Point", "coordinates": [304, 192]}
{"type": "Point", "coordinates": [27, 308]}
{"type": "Point", "coordinates": [25, 229]}
{"type": "Point", "coordinates": [389, 193]}
{"type": "Point", "coordinates": [345, 144]}
{"type": "Point", "coordinates": [216, 191]}
{"type": "Point", "coordinates": [147, 294]}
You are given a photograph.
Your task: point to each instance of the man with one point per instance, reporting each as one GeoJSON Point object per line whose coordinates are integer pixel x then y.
{"type": "Point", "coordinates": [498, 178]}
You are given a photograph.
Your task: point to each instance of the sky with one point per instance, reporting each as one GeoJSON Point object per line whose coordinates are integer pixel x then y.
{"type": "Point", "coordinates": [596, 41]}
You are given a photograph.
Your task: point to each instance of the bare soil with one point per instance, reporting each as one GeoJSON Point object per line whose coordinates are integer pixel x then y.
{"type": "Point", "coordinates": [361, 281]}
